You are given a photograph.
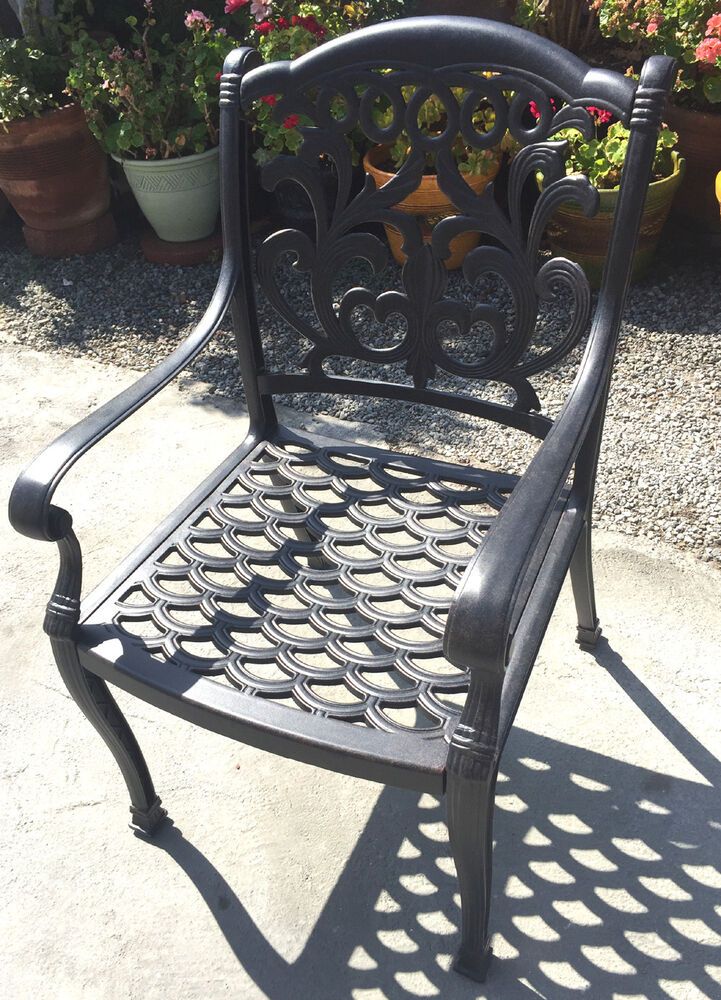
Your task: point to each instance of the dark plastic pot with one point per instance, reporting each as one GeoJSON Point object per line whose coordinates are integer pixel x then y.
{"type": "Point", "coordinates": [55, 176]}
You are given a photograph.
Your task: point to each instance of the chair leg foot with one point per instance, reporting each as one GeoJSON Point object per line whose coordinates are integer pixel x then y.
{"type": "Point", "coordinates": [588, 637]}
{"type": "Point", "coordinates": [148, 822]}
{"type": "Point", "coordinates": [473, 966]}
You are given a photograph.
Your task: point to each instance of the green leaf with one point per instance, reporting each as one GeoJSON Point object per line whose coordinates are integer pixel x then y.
{"type": "Point", "coordinates": [712, 88]}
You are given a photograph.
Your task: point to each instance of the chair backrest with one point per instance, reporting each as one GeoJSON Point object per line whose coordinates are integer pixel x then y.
{"type": "Point", "coordinates": [430, 337]}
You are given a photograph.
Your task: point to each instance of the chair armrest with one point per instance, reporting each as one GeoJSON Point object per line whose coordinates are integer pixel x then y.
{"type": "Point", "coordinates": [29, 509]}
{"type": "Point", "coordinates": [500, 575]}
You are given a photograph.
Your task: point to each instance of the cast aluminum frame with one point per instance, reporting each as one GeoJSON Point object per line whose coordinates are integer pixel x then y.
{"type": "Point", "coordinates": [271, 561]}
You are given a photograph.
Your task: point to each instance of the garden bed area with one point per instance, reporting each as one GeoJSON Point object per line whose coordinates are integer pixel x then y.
{"type": "Point", "coordinates": [660, 474]}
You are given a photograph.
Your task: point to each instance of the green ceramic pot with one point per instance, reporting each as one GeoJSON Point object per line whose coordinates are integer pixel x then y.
{"type": "Point", "coordinates": [179, 197]}
{"type": "Point", "coordinates": [586, 241]}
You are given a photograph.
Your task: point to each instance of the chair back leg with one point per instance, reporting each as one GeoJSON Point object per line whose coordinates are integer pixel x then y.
{"type": "Point", "coordinates": [584, 595]}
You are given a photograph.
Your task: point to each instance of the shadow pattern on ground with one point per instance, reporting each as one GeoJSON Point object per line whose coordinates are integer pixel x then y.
{"type": "Point", "coordinates": [607, 881]}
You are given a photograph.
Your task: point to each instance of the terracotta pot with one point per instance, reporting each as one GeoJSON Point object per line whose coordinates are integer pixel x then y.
{"type": "Point", "coordinates": [429, 204]}
{"type": "Point", "coordinates": [586, 241]}
{"type": "Point", "coordinates": [55, 176]}
{"type": "Point", "coordinates": [699, 141]}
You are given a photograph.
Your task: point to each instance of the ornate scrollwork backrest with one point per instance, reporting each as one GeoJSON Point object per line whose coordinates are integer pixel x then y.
{"type": "Point", "coordinates": [361, 72]}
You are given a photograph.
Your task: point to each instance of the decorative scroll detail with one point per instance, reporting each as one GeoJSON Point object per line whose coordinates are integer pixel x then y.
{"type": "Point", "coordinates": [321, 577]}
{"type": "Point", "coordinates": [507, 250]}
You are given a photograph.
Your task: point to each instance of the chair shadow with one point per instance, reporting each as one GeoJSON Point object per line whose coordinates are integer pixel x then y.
{"type": "Point", "coordinates": [607, 880]}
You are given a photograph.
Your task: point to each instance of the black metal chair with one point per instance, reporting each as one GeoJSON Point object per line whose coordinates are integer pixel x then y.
{"type": "Point", "coordinates": [357, 609]}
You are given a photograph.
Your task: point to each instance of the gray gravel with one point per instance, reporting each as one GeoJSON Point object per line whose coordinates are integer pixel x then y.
{"type": "Point", "coordinates": [660, 471]}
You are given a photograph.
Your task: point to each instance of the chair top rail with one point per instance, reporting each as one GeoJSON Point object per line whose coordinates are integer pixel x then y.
{"type": "Point", "coordinates": [437, 42]}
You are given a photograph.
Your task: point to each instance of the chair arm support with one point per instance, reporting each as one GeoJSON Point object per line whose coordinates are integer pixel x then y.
{"type": "Point", "coordinates": [497, 580]}
{"type": "Point", "coordinates": [30, 507]}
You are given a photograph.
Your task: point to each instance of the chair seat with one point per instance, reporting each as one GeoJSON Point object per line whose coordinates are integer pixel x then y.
{"type": "Point", "coordinates": [312, 584]}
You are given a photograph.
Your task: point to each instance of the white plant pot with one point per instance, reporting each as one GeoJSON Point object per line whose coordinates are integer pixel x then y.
{"type": "Point", "coordinates": [179, 197]}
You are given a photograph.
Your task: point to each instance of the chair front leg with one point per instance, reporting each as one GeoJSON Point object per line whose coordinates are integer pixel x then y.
{"type": "Point", "coordinates": [471, 772]}
{"type": "Point", "coordinates": [92, 694]}
{"type": "Point", "coordinates": [470, 790]}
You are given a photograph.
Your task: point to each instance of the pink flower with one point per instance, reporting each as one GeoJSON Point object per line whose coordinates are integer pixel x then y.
{"type": "Point", "coordinates": [260, 9]}
{"type": "Point", "coordinates": [138, 54]}
{"type": "Point", "coordinates": [150, 153]}
{"type": "Point", "coordinates": [291, 121]}
{"type": "Point", "coordinates": [708, 51]}
{"type": "Point", "coordinates": [654, 24]}
{"type": "Point", "coordinates": [713, 26]}
{"type": "Point", "coordinates": [197, 19]}
{"type": "Point", "coordinates": [117, 54]}
{"type": "Point", "coordinates": [232, 5]}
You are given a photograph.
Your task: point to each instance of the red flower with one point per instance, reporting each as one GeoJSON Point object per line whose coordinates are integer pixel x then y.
{"type": "Point", "coordinates": [291, 121]}
{"type": "Point", "coordinates": [218, 75]}
{"type": "Point", "coordinates": [265, 27]}
{"type": "Point", "coordinates": [269, 99]}
{"type": "Point", "coordinates": [601, 116]}
{"type": "Point", "coordinates": [282, 22]}
{"type": "Point", "coordinates": [536, 111]}
{"type": "Point", "coordinates": [295, 20]}
{"type": "Point", "coordinates": [233, 5]}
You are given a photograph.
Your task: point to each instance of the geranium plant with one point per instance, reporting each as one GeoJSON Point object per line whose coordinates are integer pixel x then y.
{"type": "Point", "coordinates": [155, 98]}
{"type": "Point", "coordinates": [601, 158]}
{"type": "Point", "coordinates": [690, 30]}
{"type": "Point", "coordinates": [287, 30]}
{"type": "Point", "coordinates": [432, 121]}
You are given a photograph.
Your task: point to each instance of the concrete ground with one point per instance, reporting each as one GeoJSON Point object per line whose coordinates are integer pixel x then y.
{"type": "Point", "coordinates": [279, 881]}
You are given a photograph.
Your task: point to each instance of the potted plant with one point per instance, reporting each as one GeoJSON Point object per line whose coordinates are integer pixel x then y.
{"type": "Point", "coordinates": [285, 29]}
{"type": "Point", "coordinates": [690, 30]}
{"type": "Point", "coordinates": [153, 105]}
{"type": "Point", "coordinates": [585, 240]}
{"type": "Point", "coordinates": [52, 170]}
{"type": "Point", "coordinates": [570, 23]}
{"type": "Point", "coordinates": [428, 202]}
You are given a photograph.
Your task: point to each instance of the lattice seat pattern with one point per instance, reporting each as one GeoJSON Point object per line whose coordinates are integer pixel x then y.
{"type": "Point", "coordinates": [321, 577]}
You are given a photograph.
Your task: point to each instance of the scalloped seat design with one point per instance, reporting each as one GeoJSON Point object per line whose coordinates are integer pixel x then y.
{"type": "Point", "coordinates": [318, 577]}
